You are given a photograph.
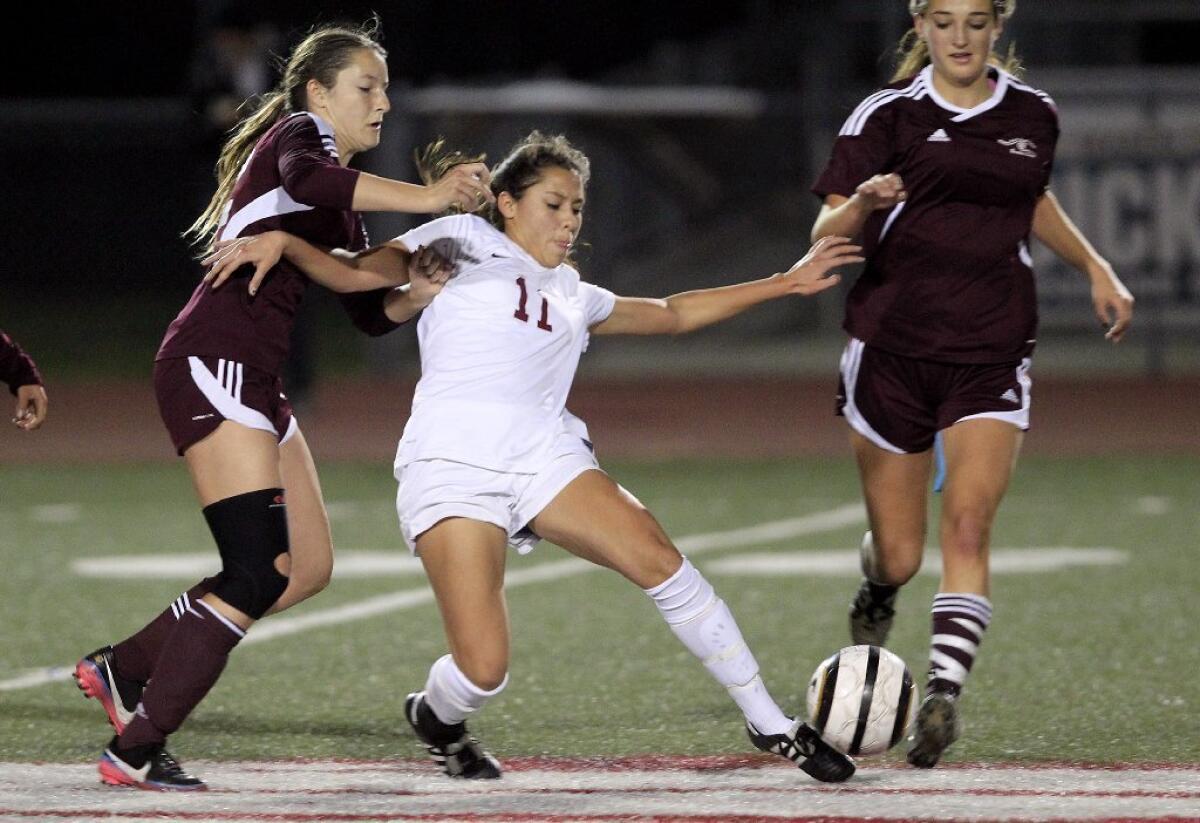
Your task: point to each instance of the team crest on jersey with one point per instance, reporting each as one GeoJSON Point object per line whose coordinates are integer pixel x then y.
{"type": "Point", "coordinates": [1020, 145]}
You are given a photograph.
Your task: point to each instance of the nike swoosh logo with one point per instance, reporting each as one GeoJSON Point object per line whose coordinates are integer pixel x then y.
{"type": "Point", "coordinates": [118, 705]}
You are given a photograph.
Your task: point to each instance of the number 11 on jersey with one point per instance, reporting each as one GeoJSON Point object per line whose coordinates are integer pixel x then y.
{"type": "Point", "coordinates": [523, 316]}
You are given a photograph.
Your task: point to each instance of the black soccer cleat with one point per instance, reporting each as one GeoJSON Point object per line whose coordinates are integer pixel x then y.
{"type": "Point", "coordinates": [803, 746]}
{"type": "Point", "coordinates": [871, 616]}
{"type": "Point", "coordinates": [96, 676]}
{"type": "Point", "coordinates": [936, 727]}
{"type": "Point", "coordinates": [146, 767]}
{"type": "Point", "coordinates": [450, 746]}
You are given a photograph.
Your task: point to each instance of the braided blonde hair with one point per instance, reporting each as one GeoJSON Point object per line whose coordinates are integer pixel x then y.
{"type": "Point", "coordinates": [912, 54]}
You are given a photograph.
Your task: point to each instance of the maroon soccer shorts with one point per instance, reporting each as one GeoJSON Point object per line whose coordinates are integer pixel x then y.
{"type": "Point", "coordinates": [900, 403]}
{"type": "Point", "coordinates": [196, 394]}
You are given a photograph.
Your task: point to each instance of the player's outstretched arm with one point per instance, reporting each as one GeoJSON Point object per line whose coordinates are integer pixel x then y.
{"type": "Point", "coordinates": [339, 271]}
{"type": "Point", "coordinates": [466, 186]}
{"type": "Point", "coordinates": [688, 311]}
{"type": "Point", "coordinates": [1112, 302]}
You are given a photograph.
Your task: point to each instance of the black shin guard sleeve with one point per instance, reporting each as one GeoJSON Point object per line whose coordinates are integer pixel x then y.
{"type": "Point", "coordinates": [251, 531]}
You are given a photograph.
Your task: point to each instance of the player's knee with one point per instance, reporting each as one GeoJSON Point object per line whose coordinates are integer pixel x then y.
{"type": "Point", "coordinates": [251, 533]}
{"type": "Point", "coordinates": [896, 558]}
{"type": "Point", "coordinates": [966, 534]}
{"type": "Point", "coordinates": [312, 576]}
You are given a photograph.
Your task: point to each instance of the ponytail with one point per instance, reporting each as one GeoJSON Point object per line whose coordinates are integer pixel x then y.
{"type": "Point", "coordinates": [272, 108]}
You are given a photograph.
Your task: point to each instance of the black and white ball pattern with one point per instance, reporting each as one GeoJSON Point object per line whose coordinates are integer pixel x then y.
{"type": "Point", "coordinates": [861, 700]}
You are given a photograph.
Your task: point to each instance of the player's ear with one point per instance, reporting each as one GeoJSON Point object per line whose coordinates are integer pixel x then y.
{"type": "Point", "coordinates": [507, 204]}
{"type": "Point", "coordinates": [315, 93]}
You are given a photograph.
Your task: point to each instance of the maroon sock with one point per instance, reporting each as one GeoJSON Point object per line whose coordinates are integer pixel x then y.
{"type": "Point", "coordinates": [137, 654]}
{"type": "Point", "coordinates": [192, 659]}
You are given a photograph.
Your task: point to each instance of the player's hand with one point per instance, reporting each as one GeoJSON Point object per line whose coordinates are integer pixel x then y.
{"type": "Point", "coordinates": [262, 251]}
{"type": "Point", "coordinates": [467, 186]}
{"type": "Point", "coordinates": [428, 272]}
{"type": "Point", "coordinates": [813, 272]}
{"type": "Point", "coordinates": [883, 191]}
{"type": "Point", "coordinates": [31, 407]}
{"type": "Point", "coordinates": [1113, 304]}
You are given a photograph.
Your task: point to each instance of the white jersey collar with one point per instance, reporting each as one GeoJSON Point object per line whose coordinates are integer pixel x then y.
{"type": "Point", "coordinates": [962, 114]}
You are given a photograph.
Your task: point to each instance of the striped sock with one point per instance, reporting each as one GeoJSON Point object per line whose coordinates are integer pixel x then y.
{"type": "Point", "coordinates": [191, 661]}
{"type": "Point", "coordinates": [137, 654]}
{"type": "Point", "coordinates": [959, 621]}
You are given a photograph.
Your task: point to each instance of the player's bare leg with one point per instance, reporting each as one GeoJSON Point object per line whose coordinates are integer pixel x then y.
{"type": "Point", "coordinates": [980, 455]}
{"type": "Point", "coordinates": [895, 490]}
{"type": "Point", "coordinates": [310, 543]}
{"type": "Point", "coordinates": [464, 560]}
{"type": "Point", "coordinates": [597, 520]}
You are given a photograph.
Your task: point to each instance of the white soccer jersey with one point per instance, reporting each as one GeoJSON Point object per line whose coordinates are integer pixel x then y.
{"type": "Point", "coordinates": [499, 350]}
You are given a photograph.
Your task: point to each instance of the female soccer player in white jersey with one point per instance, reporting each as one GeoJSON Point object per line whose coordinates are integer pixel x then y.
{"type": "Point", "coordinates": [217, 381]}
{"type": "Point", "coordinates": [944, 173]}
{"type": "Point", "coordinates": [492, 458]}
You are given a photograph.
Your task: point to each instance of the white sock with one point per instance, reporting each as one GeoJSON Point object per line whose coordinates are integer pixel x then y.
{"type": "Point", "coordinates": [705, 625]}
{"type": "Point", "coordinates": [451, 695]}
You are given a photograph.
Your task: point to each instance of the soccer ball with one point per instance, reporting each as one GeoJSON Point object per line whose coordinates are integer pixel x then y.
{"type": "Point", "coordinates": [861, 700]}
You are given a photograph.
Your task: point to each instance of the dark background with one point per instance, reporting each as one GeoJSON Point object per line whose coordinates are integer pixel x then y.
{"type": "Point", "coordinates": [109, 155]}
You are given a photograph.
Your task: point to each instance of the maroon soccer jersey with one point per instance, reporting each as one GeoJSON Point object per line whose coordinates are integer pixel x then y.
{"type": "Point", "coordinates": [948, 274]}
{"type": "Point", "coordinates": [16, 367]}
{"type": "Point", "coordinates": [292, 182]}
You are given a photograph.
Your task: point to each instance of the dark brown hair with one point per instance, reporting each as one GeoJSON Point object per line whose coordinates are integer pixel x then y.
{"type": "Point", "coordinates": [521, 168]}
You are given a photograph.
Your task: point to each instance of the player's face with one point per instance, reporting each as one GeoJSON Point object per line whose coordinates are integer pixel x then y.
{"type": "Point", "coordinates": [960, 34]}
{"type": "Point", "coordinates": [547, 218]}
{"type": "Point", "coordinates": [356, 103]}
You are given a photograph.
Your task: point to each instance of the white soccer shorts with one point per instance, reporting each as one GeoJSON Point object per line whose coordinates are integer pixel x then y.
{"type": "Point", "coordinates": [433, 490]}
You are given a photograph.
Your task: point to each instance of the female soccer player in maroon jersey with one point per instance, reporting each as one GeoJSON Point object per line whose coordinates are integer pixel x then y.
{"type": "Point", "coordinates": [219, 393]}
{"type": "Point", "coordinates": [944, 174]}
{"type": "Point", "coordinates": [18, 370]}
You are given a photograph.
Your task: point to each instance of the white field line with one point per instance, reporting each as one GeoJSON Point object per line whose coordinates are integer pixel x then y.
{"type": "Point", "coordinates": [399, 790]}
{"type": "Point", "coordinates": [194, 565]}
{"type": "Point", "coordinates": [840, 517]}
{"type": "Point", "coordinates": [843, 562]}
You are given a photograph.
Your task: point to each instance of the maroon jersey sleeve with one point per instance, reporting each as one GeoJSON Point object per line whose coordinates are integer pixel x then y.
{"type": "Point", "coordinates": [308, 173]}
{"type": "Point", "coordinates": [863, 149]}
{"type": "Point", "coordinates": [1048, 166]}
{"type": "Point", "coordinates": [365, 309]}
{"type": "Point", "coordinates": [16, 367]}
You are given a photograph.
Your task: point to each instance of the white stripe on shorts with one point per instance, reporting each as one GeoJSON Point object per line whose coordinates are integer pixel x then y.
{"type": "Point", "coordinates": [223, 400]}
{"type": "Point", "coordinates": [1020, 417]}
{"type": "Point", "coordinates": [851, 360]}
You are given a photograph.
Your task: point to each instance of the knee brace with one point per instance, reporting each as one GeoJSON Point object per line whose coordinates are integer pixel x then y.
{"type": "Point", "coordinates": [251, 531]}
